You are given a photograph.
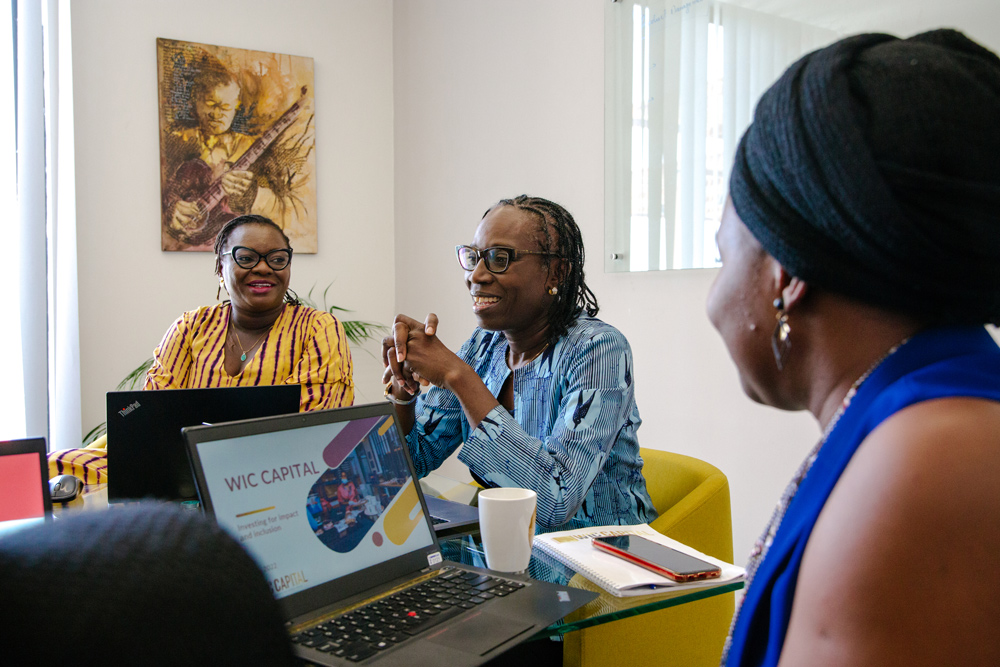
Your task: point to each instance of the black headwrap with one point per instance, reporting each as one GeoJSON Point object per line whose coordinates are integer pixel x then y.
{"type": "Point", "coordinates": [872, 169]}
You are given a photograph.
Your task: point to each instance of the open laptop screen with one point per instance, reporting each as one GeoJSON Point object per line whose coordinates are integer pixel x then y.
{"type": "Point", "coordinates": [24, 485]}
{"type": "Point", "coordinates": [146, 454]}
{"type": "Point", "coordinates": [313, 502]}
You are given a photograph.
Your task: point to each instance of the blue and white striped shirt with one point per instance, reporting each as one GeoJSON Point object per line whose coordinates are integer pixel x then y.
{"type": "Point", "coordinates": [572, 437]}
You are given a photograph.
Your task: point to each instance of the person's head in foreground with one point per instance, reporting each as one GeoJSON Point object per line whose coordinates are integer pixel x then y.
{"type": "Point", "coordinates": [168, 585]}
{"type": "Point", "coordinates": [861, 257]}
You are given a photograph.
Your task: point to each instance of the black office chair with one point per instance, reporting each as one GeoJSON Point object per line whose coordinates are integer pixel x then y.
{"type": "Point", "coordinates": [151, 584]}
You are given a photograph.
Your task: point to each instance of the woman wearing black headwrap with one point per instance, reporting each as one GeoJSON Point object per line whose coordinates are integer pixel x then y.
{"type": "Point", "coordinates": [864, 229]}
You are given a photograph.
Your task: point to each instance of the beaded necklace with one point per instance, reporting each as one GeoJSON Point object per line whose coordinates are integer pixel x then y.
{"type": "Point", "coordinates": [763, 543]}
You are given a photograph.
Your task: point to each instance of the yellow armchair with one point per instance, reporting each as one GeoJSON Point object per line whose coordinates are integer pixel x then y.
{"type": "Point", "coordinates": [692, 498]}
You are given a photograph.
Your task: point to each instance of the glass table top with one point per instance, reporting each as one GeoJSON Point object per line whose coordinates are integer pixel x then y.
{"type": "Point", "coordinates": [467, 549]}
{"type": "Point", "coordinates": [604, 609]}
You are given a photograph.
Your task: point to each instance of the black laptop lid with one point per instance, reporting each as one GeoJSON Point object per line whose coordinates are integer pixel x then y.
{"type": "Point", "coordinates": [325, 501]}
{"type": "Point", "coordinates": [24, 484]}
{"type": "Point", "coordinates": [146, 457]}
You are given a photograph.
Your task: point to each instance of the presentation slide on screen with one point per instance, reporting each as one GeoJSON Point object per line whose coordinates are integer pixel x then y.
{"type": "Point", "coordinates": [313, 504]}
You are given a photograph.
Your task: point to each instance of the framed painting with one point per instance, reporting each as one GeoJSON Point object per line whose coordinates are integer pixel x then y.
{"type": "Point", "coordinates": [236, 137]}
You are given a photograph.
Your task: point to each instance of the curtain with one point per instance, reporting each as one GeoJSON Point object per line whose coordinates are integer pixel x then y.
{"type": "Point", "coordinates": [11, 371]}
{"type": "Point", "coordinates": [693, 104]}
{"type": "Point", "coordinates": [30, 122]}
{"type": "Point", "coordinates": [47, 294]}
{"type": "Point", "coordinates": [681, 82]}
{"type": "Point", "coordinates": [65, 420]}
{"type": "Point", "coordinates": [758, 48]}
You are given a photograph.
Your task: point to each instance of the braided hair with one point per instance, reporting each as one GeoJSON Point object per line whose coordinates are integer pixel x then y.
{"type": "Point", "coordinates": [560, 236]}
{"type": "Point", "coordinates": [250, 219]}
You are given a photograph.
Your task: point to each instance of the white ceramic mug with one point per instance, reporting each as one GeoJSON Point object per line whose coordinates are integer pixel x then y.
{"type": "Point", "coordinates": [507, 526]}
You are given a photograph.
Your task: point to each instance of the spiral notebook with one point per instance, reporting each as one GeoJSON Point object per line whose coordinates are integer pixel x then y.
{"type": "Point", "coordinates": [617, 576]}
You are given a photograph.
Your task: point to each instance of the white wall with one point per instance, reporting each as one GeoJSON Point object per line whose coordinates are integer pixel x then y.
{"type": "Point", "coordinates": [130, 291]}
{"type": "Point", "coordinates": [494, 99]}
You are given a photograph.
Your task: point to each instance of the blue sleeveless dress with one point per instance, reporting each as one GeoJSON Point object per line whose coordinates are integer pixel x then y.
{"type": "Point", "coordinates": [958, 361]}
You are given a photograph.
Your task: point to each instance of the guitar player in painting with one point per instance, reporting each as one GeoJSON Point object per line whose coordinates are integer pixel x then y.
{"type": "Point", "coordinates": [226, 157]}
{"type": "Point", "coordinates": [215, 98]}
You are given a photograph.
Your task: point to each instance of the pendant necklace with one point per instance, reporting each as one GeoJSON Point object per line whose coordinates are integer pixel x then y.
{"type": "Point", "coordinates": [243, 356]}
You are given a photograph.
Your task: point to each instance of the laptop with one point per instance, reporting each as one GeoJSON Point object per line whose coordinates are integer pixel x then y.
{"type": "Point", "coordinates": [451, 518]}
{"type": "Point", "coordinates": [24, 485]}
{"type": "Point", "coordinates": [146, 457]}
{"type": "Point", "coordinates": [327, 504]}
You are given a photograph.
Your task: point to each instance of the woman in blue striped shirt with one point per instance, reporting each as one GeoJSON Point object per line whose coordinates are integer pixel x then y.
{"type": "Point", "coordinates": [542, 394]}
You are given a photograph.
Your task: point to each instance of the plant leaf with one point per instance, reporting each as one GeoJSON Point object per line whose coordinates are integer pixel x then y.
{"type": "Point", "coordinates": [359, 331]}
{"type": "Point", "coordinates": [136, 375]}
{"type": "Point", "coordinates": [95, 433]}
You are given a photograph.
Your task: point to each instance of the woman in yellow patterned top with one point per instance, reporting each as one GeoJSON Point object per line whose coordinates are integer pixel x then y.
{"type": "Point", "coordinates": [262, 336]}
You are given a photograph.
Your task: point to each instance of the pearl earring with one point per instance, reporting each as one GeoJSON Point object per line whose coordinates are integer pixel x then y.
{"type": "Point", "coordinates": [553, 291]}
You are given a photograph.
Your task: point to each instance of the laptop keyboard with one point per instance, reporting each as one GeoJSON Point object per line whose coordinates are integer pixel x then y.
{"type": "Point", "coordinates": [363, 632]}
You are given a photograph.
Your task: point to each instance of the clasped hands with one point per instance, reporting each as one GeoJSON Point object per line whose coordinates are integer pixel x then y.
{"type": "Point", "coordinates": [412, 355]}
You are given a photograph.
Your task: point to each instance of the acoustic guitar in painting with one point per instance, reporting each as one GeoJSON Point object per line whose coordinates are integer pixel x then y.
{"type": "Point", "coordinates": [193, 181]}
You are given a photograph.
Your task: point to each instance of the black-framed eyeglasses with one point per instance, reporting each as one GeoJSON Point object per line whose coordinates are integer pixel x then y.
{"type": "Point", "coordinates": [247, 258]}
{"type": "Point", "coordinates": [498, 258]}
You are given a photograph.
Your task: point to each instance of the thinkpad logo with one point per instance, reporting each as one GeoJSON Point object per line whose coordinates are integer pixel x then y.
{"type": "Point", "coordinates": [128, 408]}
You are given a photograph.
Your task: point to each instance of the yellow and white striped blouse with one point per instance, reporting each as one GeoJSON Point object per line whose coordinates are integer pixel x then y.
{"type": "Point", "coordinates": [304, 346]}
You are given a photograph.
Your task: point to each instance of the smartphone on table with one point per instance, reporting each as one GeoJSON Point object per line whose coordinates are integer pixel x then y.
{"type": "Point", "coordinates": [659, 558]}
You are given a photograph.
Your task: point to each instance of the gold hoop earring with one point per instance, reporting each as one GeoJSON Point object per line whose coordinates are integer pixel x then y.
{"type": "Point", "coordinates": [781, 341]}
